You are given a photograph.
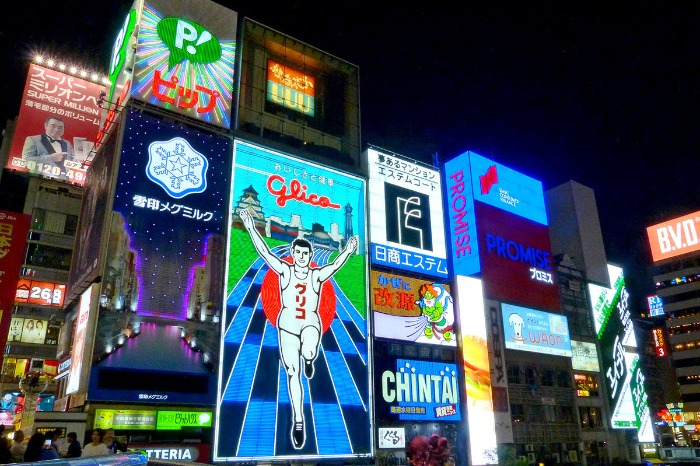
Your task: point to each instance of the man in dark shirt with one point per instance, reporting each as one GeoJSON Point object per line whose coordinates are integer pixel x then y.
{"type": "Point", "coordinates": [74, 449]}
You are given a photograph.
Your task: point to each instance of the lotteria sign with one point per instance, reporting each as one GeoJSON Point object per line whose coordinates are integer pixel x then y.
{"type": "Point", "coordinates": [462, 220]}
{"type": "Point", "coordinates": [411, 390]}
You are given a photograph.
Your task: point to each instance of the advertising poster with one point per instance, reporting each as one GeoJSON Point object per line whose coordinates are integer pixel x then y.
{"type": "Point", "coordinates": [459, 201]}
{"type": "Point", "coordinates": [185, 59]}
{"type": "Point", "coordinates": [294, 379]}
{"type": "Point", "coordinates": [674, 237]}
{"type": "Point", "coordinates": [78, 354]}
{"type": "Point", "coordinates": [499, 377]}
{"type": "Point", "coordinates": [477, 371]}
{"type": "Point", "coordinates": [125, 419]}
{"type": "Point", "coordinates": [517, 261]}
{"type": "Point", "coordinates": [507, 189]}
{"type": "Point", "coordinates": [656, 305]}
{"type": "Point", "coordinates": [536, 331]}
{"type": "Point", "coordinates": [584, 356]}
{"type": "Point", "coordinates": [290, 88]}
{"type": "Point", "coordinates": [407, 228]}
{"type": "Point", "coordinates": [40, 293]}
{"type": "Point", "coordinates": [623, 376]}
{"type": "Point", "coordinates": [57, 125]}
{"type": "Point", "coordinates": [410, 309]}
{"type": "Point", "coordinates": [93, 217]}
{"type": "Point", "coordinates": [14, 228]}
{"type": "Point", "coordinates": [162, 283]}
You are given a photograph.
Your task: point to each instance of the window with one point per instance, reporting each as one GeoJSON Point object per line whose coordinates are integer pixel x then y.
{"type": "Point", "coordinates": [567, 414]}
{"type": "Point", "coordinates": [530, 376]}
{"type": "Point", "coordinates": [591, 417]}
{"type": "Point", "coordinates": [51, 257]}
{"type": "Point", "coordinates": [586, 385]}
{"type": "Point", "coordinates": [550, 413]}
{"type": "Point", "coordinates": [548, 378]}
{"type": "Point", "coordinates": [513, 373]}
{"type": "Point", "coordinates": [517, 412]}
{"type": "Point", "coordinates": [563, 379]}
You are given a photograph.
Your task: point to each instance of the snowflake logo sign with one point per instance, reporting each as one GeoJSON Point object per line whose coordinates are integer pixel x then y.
{"type": "Point", "coordinates": [176, 167]}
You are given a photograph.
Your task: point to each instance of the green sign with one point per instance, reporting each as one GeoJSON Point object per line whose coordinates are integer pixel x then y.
{"type": "Point", "coordinates": [130, 419]}
{"type": "Point", "coordinates": [188, 40]}
{"type": "Point", "coordinates": [175, 420]}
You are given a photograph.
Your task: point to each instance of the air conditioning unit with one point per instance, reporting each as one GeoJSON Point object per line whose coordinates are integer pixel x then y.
{"type": "Point", "coordinates": [529, 447]}
{"type": "Point", "coordinates": [573, 456]}
{"type": "Point", "coordinates": [556, 458]}
{"type": "Point", "coordinates": [531, 458]}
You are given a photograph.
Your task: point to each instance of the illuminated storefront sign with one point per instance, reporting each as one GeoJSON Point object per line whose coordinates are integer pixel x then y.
{"type": "Point", "coordinates": [128, 419]}
{"type": "Point", "coordinates": [507, 189]}
{"type": "Point", "coordinates": [516, 259]}
{"type": "Point", "coordinates": [462, 220]}
{"type": "Point", "coordinates": [57, 125]}
{"type": "Point", "coordinates": [296, 281]}
{"type": "Point", "coordinates": [656, 306]}
{"type": "Point", "coordinates": [412, 310]}
{"type": "Point", "coordinates": [407, 228]}
{"type": "Point", "coordinates": [176, 420]}
{"type": "Point", "coordinates": [536, 331]}
{"type": "Point", "coordinates": [618, 346]}
{"type": "Point", "coordinates": [290, 88]}
{"type": "Point", "coordinates": [28, 330]}
{"type": "Point", "coordinates": [477, 371]}
{"type": "Point", "coordinates": [41, 293]}
{"type": "Point", "coordinates": [185, 59]}
{"type": "Point", "coordinates": [586, 385]}
{"type": "Point", "coordinates": [584, 356]}
{"type": "Point", "coordinates": [659, 342]}
{"type": "Point", "coordinates": [674, 237]}
{"type": "Point", "coordinates": [391, 437]}
{"type": "Point", "coordinates": [14, 228]}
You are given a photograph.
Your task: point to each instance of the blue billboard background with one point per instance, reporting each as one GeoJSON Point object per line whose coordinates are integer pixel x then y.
{"type": "Point", "coordinates": [459, 200]}
{"type": "Point", "coordinates": [507, 189]}
{"type": "Point", "coordinates": [527, 329]}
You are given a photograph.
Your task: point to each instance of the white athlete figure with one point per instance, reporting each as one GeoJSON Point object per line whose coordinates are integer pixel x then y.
{"type": "Point", "coordinates": [298, 323]}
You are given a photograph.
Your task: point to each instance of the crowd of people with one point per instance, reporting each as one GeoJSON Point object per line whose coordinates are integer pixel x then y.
{"type": "Point", "coordinates": [40, 446]}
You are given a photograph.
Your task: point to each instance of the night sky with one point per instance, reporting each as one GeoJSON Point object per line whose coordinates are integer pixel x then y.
{"type": "Point", "coordinates": [606, 95]}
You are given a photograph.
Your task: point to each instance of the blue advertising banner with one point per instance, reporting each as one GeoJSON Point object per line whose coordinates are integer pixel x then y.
{"type": "Point", "coordinates": [414, 390]}
{"type": "Point", "coordinates": [294, 379]}
{"type": "Point", "coordinates": [459, 198]}
{"type": "Point", "coordinates": [162, 286]}
{"type": "Point", "coordinates": [507, 189]}
{"type": "Point", "coordinates": [536, 331]}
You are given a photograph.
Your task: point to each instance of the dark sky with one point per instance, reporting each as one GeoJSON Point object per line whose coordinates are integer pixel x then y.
{"type": "Point", "coordinates": [606, 94]}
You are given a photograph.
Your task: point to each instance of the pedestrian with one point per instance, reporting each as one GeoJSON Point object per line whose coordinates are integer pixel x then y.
{"type": "Point", "coordinates": [74, 449]}
{"type": "Point", "coordinates": [38, 449]}
{"type": "Point", "coordinates": [112, 443]}
{"type": "Point", "coordinates": [96, 447]}
{"type": "Point", "coordinates": [18, 447]}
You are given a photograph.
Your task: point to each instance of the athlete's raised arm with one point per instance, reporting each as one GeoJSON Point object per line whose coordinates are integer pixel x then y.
{"type": "Point", "coordinates": [260, 246]}
{"type": "Point", "coordinates": [327, 271]}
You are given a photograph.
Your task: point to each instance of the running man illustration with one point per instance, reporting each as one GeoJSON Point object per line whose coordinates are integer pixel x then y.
{"type": "Point", "coordinates": [298, 323]}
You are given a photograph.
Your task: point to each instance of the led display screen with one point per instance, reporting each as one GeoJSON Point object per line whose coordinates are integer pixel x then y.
{"type": "Point", "coordinates": [290, 88]}
{"type": "Point", "coordinates": [41, 293]}
{"type": "Point", "coordinates": [584, 356]}
{"type": "Point", "coordinates": [674, 237]}
{"type": "Point", "coordinates": [412, 390]}
{"type": "Point", "coordinates": [14, 228]}
{"type": "Point", "coordinates": [516, 259]}
{"type": "Point", "coordinates": [162, 284]}
{"type": "Point", "coordinates": [294, 374]}
{"type": "Point", "coordinates": [57, 125]}
{"type": "Point", "coordinates": [28, 330]}
{"type": "Point", "coordinates": [459, 201]}
{"type": "Point", "coordinates": [618, 346]}
{"type": "Point", "coordinates": [536, 331]}
{"type": "Point", "coordinates": [477, 371]}
{"type": "Point", "coordinates": [407, 228]}
{"type": "Point", "coordinates": [409, 309]}
{"type": "Point", "coordinates": [507, 189]}
{"type": "Point", "coordinates": [185, 58]}
{"type": "Point", "coordinates": [656, 305]}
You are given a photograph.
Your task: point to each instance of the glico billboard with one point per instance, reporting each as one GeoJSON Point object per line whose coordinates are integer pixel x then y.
{"type": "Point", "coordinates": [413, 310]}
{"type": "Point", "coordinates": [621, 364]}
{"type": "Point", "coordinates": [294, 377]}
{"type": "Point", "coordinates": [407, 228]}
{"type": "Point", "coordinates": [162, 283]}
{"type": "Point", "coordinates": [57, 125]}
{"type": "Point", "coordinates": [674, 237]}
{"type": "Point", "coordinates": [184, 59]}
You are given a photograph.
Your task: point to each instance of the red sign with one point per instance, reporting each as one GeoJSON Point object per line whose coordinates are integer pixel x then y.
{"type": "Point", "coordinates": [674, 237]}
{"type": "Point", "coordinates": [660, 342]}
{"type": "Point", "coordinates": [14, 228]}
{"type": "Point", "coordinates": [57, 125]}
{"type": "Point", "coordinates": [41, 293]}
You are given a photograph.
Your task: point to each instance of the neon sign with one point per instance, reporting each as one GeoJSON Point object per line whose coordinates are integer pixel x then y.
{"type": "Point", "coordinates": [290, 88]}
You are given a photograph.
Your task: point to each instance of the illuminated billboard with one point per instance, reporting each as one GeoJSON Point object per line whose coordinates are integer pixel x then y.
{"type": "Point", "coordinates": [410, 309]}
{"type": "Point", "coordinates": [660, 343]}
{"type": "Point", "coordinates": [78, 354]}
{"type": "Point", "coordinates": [621, 364]}
{"type": "Point", "coordinates": [536, 331]}
{"type": "Point", "coordinates": [584, 356]}
{"type": "Point", "coordinates": [477, 371]}
{"type": "Point", "coordinates": [41, 293]}
{"type": "Point", "coordinates": [459, 202]}
{"type": "Point", "coordinates": [185, 59]}
{"type": "Point", "coordinates": [674, 237]}
{"type": "Point", "coordinates": [290, 88]}
{"type": "Point", "coordinates": [162, 284]}
{"type": "Point", "coordinates": [407, 229]}
{"type": "Point", "coordinates": [411, 390]}
{"type": "Point", "coordinates": [516, 259]}
{"type": "Point", "coordinates": [57, 125]}
{"type": "Point", "coordinates": [499, 378]}
{"type": "Point", "coordinates": [507, 189]}
{"type": "Point", "coordinates": [28, 330]}
{"type": "Point", "coordinates": [656, 305]}
{"type": "Point", "coordinates": [14, 228]}
{"type": "Point", "coordinates": [294, 378]}
{"type": "Point", "coordinates": [129, 419]}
